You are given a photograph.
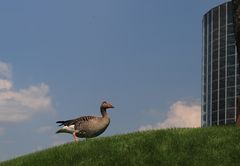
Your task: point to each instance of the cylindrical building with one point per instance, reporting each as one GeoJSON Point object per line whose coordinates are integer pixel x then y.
{"type": "Point", "coordinates": [219, 67]}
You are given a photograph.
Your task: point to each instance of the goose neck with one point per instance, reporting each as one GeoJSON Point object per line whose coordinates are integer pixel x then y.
{"type": "Point", "coordinates": [104, 112]}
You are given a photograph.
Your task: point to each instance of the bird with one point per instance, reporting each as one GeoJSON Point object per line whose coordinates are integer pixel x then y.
{"type": "Point", "coordinates": [87, 126]}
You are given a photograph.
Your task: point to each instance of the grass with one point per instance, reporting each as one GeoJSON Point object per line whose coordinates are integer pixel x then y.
{"type": "Point", "coordinates": [200, 146]}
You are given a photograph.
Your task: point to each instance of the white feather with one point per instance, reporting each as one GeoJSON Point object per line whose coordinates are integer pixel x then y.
{"type": "Point", "coordinates": [67, 129]}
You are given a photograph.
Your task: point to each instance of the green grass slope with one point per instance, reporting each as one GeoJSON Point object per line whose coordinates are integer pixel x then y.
{"type": "Point", "coordinates": [201, 146]}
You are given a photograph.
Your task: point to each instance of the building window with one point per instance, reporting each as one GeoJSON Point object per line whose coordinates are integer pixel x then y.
{"type": "Point", "coordinates": [231, 71]}
{"type": "Point", "coordinates": [215, 75]}
{"type": "Point", "coordinates": [231, 59]}
{"type": "Point", "coordinates": [231, 50]}
{"type": "Point", "coordinates": [222, 49]}
{"type": "Point", "coordinates": [222, 105]}
{"type": "Point", "coordinates": [229, 13]}
{"type": "Point", "coordinates": [221, 115]}
{"type": "Point", "coordinates": [214, 117]}
{"type": "Point", "coordinates": [231, 92]}
{"type": "Point", "coordinates": [231, 121]}
{"type": "Point", "coordinates": [223, 15]}
{"type": "Point", "coordinates": [230, 102]}
{"type": "Point", "coordinates": [230, 29]}
{"type": "Point", "coordinates": [222, 76]}
{"type": "Point", "coordinates": [231, 81]}
{"type": "Point", "coordinates": [231, 39]}
{"type": "Point", "coordinates": [230, 113]}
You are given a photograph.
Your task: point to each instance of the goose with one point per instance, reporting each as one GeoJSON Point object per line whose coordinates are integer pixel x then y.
{"type": "Point", "coordinates": [87, 126]}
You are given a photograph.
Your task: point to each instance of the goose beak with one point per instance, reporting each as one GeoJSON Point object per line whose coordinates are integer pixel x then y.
{"type": "Point", "coordinates": [111, 106]}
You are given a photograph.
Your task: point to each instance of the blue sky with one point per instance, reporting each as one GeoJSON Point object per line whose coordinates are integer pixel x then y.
{"type": "Point", "coordinates": [61, 59]}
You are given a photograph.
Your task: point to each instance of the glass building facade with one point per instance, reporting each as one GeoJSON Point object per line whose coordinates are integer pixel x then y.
{"type": "Point", "coordinates": [219, 67]}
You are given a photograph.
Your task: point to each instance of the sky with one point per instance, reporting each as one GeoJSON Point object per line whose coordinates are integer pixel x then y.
{"type": "Point", "coordinates": [60, 59]}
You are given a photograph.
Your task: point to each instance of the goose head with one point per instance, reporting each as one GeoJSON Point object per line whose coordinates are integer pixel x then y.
{"type": "Point", "coordinates": [106, 105]}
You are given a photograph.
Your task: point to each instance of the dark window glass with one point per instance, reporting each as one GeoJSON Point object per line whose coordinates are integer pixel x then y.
{"type": "Point", "coordinates": [229, 12]}
{"type": "Point", "coordinates": [230, 40]}
{"type": "Point", "coordinates": [221, 104]}
{"type": "Point", "coordinates": [231, 50]}
{"type": "Point", "coordinates": [222, 52]}
{"type": "Point", "coordinates": [215, 18]}
{"type": "Point", "coordinates": [231, 71]}
{"type": "Point", "coordinates": [205, 88]}
{"type": "Point", "coordinates": [215, 106]}
{"type": "Point", "coordinates": [222, 122]}
{"type": "Point", "coordinates": [204, 107]}
{"type": "Point", "coordinates": [215, 65]}
{"type": "Point", "coordinates": [221, 115]}
{"type": "Point", "coordinates": [215, 54]}
{"type": "Point", "coordinates": [230, 113]}
{"type": "Point", "coordinates": [209, 65]}
{"type": "Point", "coordinates": [214, 123]}
{"type": "Point", "coordinates": [222, 62]}
{"type": "Point", "coordinates": [205, 38]}
{"type": "Point", "coordinates": [238, 79]}
{"type": "Point", "coordinates": [222, 14]}
{"type": "Point", "coordinates": [215, 95]}
{"type": "Point", "coordinates": [204, 117]}
{"type": "Point", "coordinates": [231, 121]}
{"type": "Point", "coordinates": [214, 116]}
{"type": "Point", "coordinates": [209, 60]}
{"type": "Point", "coordinates": [230, 102]}
{"type": "Point", "coordinates": [215, 85]}
{"type": "Point", "coordinates": [222, 36]}
{"type": "Point", "coordinates": [209, 30]}
{"type": "Point", "coordinates": [222, 94]}
{"type": "Point", "coordinates": [205, 78]}
{"type": "Point", "coordinates": [209, 86]}
{"type": "Point", "coordinates": [215, 75]}
{"type": "Point", "coordinates": [230, 29]}
{"type": "Point", "coordinates": [222, 83]}
{"type": "Point", "coordinates": [231, 92]}
{"type": "Point", "coordinates": [222, 73]}
{"type": "Point", "coordinates": [215, 36]}
{"type": "Point", "coordinates": [231, 81]}
{"type": "Point", "coordinates": [208, 102]}
{"type": "Point", "coordinates": [208, 116]}
{"type": "Point", "coordinates": [238, 90]}
{"type": "Point", "coordinates": [205, 62]}
{"type": "Point", "coordinates": [238, 69]}
{"type": "Point", "coordinates": [204, 98]}
{"type": "Point", "coordinates": [231, 60]}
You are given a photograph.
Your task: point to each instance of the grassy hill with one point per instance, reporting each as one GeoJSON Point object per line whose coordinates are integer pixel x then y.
{"type": "Point", "coordinates": [201, 146]}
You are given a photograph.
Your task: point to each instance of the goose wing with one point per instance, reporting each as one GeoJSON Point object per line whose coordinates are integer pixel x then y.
{"type": "Point", "coordinates": [74, 121]}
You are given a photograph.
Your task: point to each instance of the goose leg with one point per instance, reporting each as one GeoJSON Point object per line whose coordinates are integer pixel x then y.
{"type": "Point", "coordinates": [74, 136]}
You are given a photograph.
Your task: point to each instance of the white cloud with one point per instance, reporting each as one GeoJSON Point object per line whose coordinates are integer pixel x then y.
{"type": "Point", "coordinates": [181, 114]}
{"type": "Point", "coordinates": [23, 104]}
{"type": "Point", "coordinates": [5, 70]}
{"type": "Point", "coordinates": [16, 106]}
{"type": "Point", "coordinates": [5, 76]}
{"type": "Point", "coordinates": [5, 84]}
